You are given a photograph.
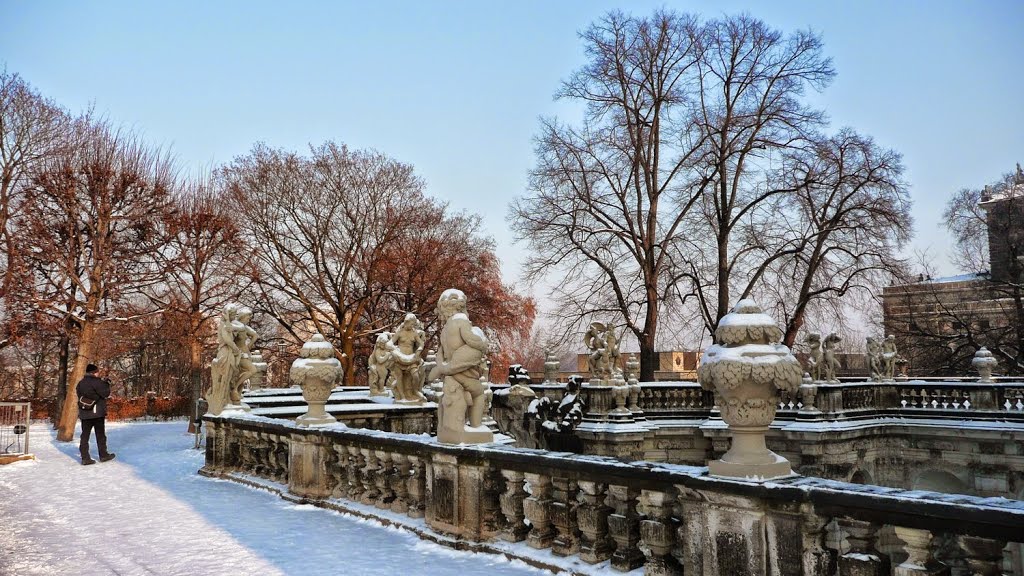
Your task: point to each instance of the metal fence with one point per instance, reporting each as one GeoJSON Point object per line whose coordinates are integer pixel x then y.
{"type": "Point", "coordinates": [14, 426]}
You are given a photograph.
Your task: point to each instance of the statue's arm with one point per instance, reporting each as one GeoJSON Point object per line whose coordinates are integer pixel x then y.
{"type": "Point", "coordinates": [471, 338]}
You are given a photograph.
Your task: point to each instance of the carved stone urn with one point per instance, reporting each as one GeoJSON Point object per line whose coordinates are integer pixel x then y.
{"type": "Point", "coordinates": [746, 368]}
{"type": "Point", "coordinates": [316, 371]}
{"type": "Point", "coordinates": [984, 362]}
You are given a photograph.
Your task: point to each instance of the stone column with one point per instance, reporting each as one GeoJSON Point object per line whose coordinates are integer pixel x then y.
{"type": "Point", "coordinates": [746, 368]}
{"type": "Point", "coordinates": [512, 507]}
{"type": "Point", "coordinates": [385, 471]}
{"type": "Point", "coordinates": [984, 556]}
{"type": "Point", "coordinates": [916, 545]}
{"type": "Point", "coordinates": [624, 527]}
{"type": "Point", "coordinates": [368, 477]}
{"type": "Point", "coordinates": [862, 558]}
{"type": "Point", "coordinates": [344, 472]}
{"type": "Point", "coordinates": [536, 510]}
{"type": "Point", "coordinates": [658, 534]}
{"type": "Point", "coordinates": [563, 516]}
{"type": "Point", "coordinates": [417, 488]}
{"type": "Point", "coordinates": [400, 483]}
{"type": "Point", "coordinates": [355, 471]}
{"type": "Point", "coordinates": [592, 516]}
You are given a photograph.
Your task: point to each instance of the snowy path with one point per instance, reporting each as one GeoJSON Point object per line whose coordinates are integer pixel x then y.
{"type": "Point", "coordinates": [149, 512]}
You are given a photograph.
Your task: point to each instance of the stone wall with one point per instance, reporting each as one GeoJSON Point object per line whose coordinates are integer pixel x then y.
{"type": "Point", "coordinates": [669, 519]}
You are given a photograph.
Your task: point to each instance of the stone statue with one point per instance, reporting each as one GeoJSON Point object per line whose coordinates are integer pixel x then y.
{"type": "Point", "coordinates": [222, 370]}
{"type": "Point", "coordinates": [379, 364]}
{"type": "Point", "coordinates": [519, 381]}
{"type": "Point", "coordinates": [831, 365]}
{"type": "Point", "coordinates": [874, 357]}
{"type": "Point", "coordinates": [889, 356]}
{"type": "Point", "coordinates": [594, 340]}
{"type": "Point", "coordinates": [813, 341]}
{"type": "Point", "coordinates": [406, 360]}
{"type": "Point", "coordinates": [462, 347]}
{"type": "Point", "coordinates": [245, 337]}
{"type": "Point", "coordinates": [611, 346]}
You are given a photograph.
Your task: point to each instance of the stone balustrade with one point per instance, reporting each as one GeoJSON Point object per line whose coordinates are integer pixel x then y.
{"type": "Point", "coordinates": [669, 519]}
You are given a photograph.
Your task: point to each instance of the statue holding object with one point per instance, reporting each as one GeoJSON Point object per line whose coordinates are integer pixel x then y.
{"type": "Point", "coordinates": [462, 348]}
{"type": "Point", "coordinates": [406, 362]}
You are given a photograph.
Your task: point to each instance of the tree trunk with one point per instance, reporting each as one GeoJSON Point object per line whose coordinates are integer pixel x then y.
{"type": "Point", "coordinates": [63, 351]}
{"type": "Point", "coordinates": [69, 412]}
{"type": "Point", "coordinates": [195, 370]}
{"type": "Point", "coordinates": [648, 359]}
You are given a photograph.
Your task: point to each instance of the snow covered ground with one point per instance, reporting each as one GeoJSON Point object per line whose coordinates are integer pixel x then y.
{"type": "Point", "coordinates": [149, 512]}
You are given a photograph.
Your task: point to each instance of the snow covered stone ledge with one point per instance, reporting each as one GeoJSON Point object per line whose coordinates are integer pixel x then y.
{"type": "Point", "coordinates": [588, 514]}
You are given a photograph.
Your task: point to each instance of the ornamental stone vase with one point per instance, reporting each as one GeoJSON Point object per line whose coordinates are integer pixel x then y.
{"type": "Point", "coordinates": [316, 371]}
{"type": "Point", "coordinates": [746, 368]}
{"type": "Point", "coordinates": [984, 362]}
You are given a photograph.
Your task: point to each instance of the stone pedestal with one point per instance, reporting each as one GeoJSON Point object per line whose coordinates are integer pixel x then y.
{"type": "Point", "coordinates": [307, 466]}
{"type": "Point", "coordinates": [456, 499]}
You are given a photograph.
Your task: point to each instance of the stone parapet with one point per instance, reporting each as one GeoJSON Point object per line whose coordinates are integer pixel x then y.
{"type": "Point", "coordinates": [669, 518]}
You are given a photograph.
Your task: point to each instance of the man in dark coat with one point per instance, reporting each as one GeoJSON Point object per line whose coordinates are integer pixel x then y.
{"type": "Point", "coordinates": [93, 392]}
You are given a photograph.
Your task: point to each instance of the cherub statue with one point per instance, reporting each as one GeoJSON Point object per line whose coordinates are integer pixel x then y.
{"type": "Point", "coordinates": [813, 341]}
{"type": "Point", "coordinates": [462, 348]}
{"type": "Point", "coordinates": [379, 364]}
{"type": "Point", "coordinates": [874, 354]}
{"type": "Point", "coordinates": [222, 371]}
{"type": "Point", "coordinates": [594, 340]}
{"type": "Point", "coordinates": [611, 346]}
{"type": "Point", "coordinates": [406, 362]}
{"type": "Point", "coordinates": [245, 337]}
{"type": "Point", "coordinates": [889, 357]}
{"type": "Point", "coordinates": [831, 363]}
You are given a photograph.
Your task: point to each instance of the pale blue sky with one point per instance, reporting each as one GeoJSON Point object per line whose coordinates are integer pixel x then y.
{"type": "Point", "coordinates": [455, 88]}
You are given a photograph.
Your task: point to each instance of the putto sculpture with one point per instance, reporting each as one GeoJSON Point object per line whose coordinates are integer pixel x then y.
{"type": "Point", "coordinates": [889, 358]}
{"type": "Point", "coordinates": [406, 362]}
{"type": "Point", "coordinates": [462, 348]}
{"type": "Point", "coordinates": [233, 366]}
{"type": "Point", "coordinates": [830, 363]}
{"type": "Point", "coordinates": [604, 356]}
{"type": "Point", "coordinates": [874, 357]}
{"type": "Point", "coordinates": [814, 355]}
{"type": "Point", "coordinates": [379, 364]}
{"type": "Point", "coordinates": [746, 368]}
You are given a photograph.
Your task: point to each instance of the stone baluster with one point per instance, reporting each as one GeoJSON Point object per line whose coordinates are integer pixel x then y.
{"type": "Point", "coordinates": [385, 472]}
{"type": "Point", "coordinates": [657, 533]}
{"type": "Point", "coordinates": [563, 516]}
{"type": "Point", "coordinates": [536, 510]}
{"type": "Point", "coordinates": [916, 544]}
{"type": "Point", "coordinates": [344, 469]}
{"type": "Point", "coordinates": [512, 507]}
{"type": "Point", "coordinates": [592, 516]}
{"type": "Point", "coordinates": [246, 463]}
{"type": "Point", "coordinates": [281, 458]}
{"type": "Point", "coordinates": [399, 483]}
{"type": "Point", "coordinates": [368, 477]}
{"type": "Point", "coordinates": [417, 487]}
{"type": "Point", "coordinates": [862, 557]}
{"type": "Point", "coordinates": [355, 469]}
{"type": "Point", "coordinates": [984, 556]}
{"type": "Point", "coordinates": [624, 527]}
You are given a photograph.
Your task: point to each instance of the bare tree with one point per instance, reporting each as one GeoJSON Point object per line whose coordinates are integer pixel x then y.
{"type": "Point", "coordinates": [639, 206]}
{"type": "Point", "coordinates": [93, 230]}
{"type": "Point", "coordinates": [838, 233]}
{"type": "Point", "coordinates": [348, 241]}
{"type": "Point", "coordinates": [32, 129]}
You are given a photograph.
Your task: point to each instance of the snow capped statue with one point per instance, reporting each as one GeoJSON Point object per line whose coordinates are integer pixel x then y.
{"type": "Point", "coordinates": [462, 350]}
{"type": "Point", "coordinates": [874, 354]}
{"type": "Point", "coordinates": [379, 364]}
{"type": "Point", "coordinates": [814, 357]}
{"type": "Point", "coordinates": [406, 364]}
{"type": "Point", "coordinates": [234, 364]}
{"type": "Point", "coordinates": [316, 371]}
{"type": "Point", "coordinates": [603, 344]}
{"type": "Point", "coordinates": [831, 363]}
{"type": "Point", "coordinates": [746, 368]}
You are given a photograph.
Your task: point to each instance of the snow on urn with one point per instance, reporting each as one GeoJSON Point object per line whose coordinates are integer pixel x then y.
{"type": "Point", "coordinates": [746, 368]}
{"type": "Point", "coordinates": [984, 363]}
{"type": "Point", "coordinates": [316, 372]}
